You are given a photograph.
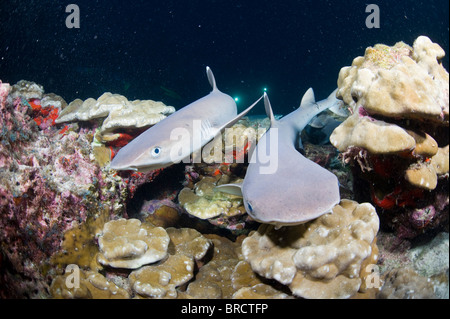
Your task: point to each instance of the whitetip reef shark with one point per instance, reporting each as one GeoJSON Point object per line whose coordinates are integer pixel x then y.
{"type": "Point", "coordinates": [182, 133]}
{"type": "Point", "coordinates": [297, 190]}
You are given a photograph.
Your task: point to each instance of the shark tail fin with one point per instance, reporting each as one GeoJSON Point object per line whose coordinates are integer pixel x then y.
{"type": "Point", "coordinates": [211, 78]}
{"type": "Point", "coordinates": [308, 98]}
{"type": "Point", "coordinates": [268, 108]}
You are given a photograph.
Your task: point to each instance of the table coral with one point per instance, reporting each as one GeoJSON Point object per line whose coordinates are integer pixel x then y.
{"type": "Point", "coordinates": [397, 138]}
{"type": "Point", "coordinates": [319, 259]}
{"type": "Point", "coordinates": [128, 243]}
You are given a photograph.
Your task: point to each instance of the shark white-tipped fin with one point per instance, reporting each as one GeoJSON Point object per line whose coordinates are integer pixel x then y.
{"type": "Point", "coordinates": [318, 121]}
{"type": "Point", "coordinates": [332, 96]}
{"type": "Point", "coordinates": [239, 116]}
{"type": "Point", "coordinates": [211, 78]}
{"type": "Point", "coordinates": [268, 108]}
{"type": "Point", "coordinates": [233, 189]}
{"type": "Point", "coordinates": [308, 98]}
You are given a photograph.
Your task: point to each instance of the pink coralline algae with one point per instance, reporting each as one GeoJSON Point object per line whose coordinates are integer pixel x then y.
{"type": "Point", "coordinates": [49, 182]}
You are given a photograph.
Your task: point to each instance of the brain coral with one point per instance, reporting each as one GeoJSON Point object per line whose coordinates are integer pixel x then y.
{"type": "Point", "coordinates": [319, 259]}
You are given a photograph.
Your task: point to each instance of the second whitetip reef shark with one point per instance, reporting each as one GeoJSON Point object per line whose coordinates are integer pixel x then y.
{"type": "Point", "coordinates": [297, 190]}
{"type": "Point", "coordinates": [182, 133]}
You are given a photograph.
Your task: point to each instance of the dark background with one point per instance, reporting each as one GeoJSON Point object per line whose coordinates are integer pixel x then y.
{"type": "Point", "coordinates": [159, 49]}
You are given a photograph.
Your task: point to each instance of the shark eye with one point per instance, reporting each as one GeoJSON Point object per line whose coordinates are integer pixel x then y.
{"type": "Point", "coordinates": [156, 151]}
{"type": "Point", "coordinates": [250, 208]}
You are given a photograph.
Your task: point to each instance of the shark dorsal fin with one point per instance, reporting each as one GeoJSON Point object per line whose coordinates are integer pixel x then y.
{"type": "Point", "coordinates": [268, 108]}
{"type": "Point", "coordinates": [211, 78]}
{"type": "Point", "coordinates": [308, 98]}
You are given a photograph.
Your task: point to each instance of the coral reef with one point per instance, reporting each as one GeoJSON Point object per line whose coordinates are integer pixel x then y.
{"type": "Point", "coordinates": [118, 113]}
{"type": "Point", "coordinates": [319, 259]}
{"type": "Point", "coordinates": [397, 138]}
{"type": "Point", "coordinates": [71, 227]}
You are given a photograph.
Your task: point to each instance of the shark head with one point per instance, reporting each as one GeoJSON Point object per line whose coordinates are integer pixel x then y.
{"type": "Point", "coordinates": [146, 152]}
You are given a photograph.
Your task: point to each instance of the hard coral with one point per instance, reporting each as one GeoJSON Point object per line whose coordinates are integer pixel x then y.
{"type": "Point", "coordinates": [205, 202]}
{"type": "Point", "coordinates": [412, 85]}
{"type": "Point", "coordinates": [92, 285]}
{"type": "Point", "coordinates": [131, 244]}
{"type": "Point", "coordinates": [118, 114]}
{"type": "Point", "coordinates": [319, 259]}
{"type": "Point", "coordinates": [397, 137]}
{"type": "Point", "coordinates": [161, 281]}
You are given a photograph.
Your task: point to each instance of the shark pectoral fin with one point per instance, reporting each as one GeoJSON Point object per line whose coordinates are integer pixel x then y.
{"type": "Point", "coordinates": [308, 98]}
{"type": "Point", "coordinates": [317, 122]}
{"type": "Point", "coordinates": [268, 108]}
{"type": "Point", "coordinates": [238, 117]}
{"type": "Point", "coordinates": [233, 189]}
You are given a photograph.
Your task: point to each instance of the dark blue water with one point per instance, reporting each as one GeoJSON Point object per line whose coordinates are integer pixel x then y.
{"type": "Point", "coordinates": [159, 49]}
